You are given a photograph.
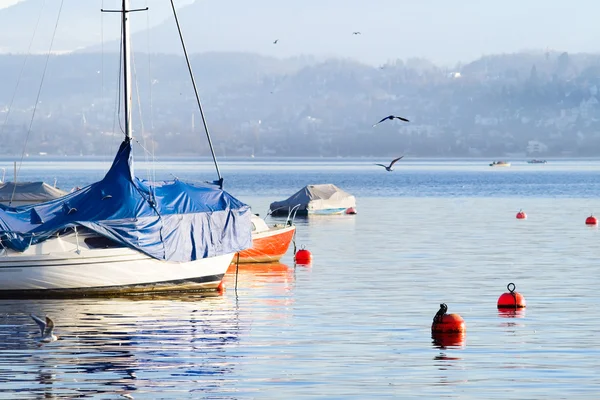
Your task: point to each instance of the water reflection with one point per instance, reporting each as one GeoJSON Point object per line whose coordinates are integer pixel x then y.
{"type": "Point", "coordinates": [448, 368]}
{"type": "Point", "coordinates": [260, 274]}
{"type": "Point", "coordinates": [511, 313]}
{"type": "Point", "coordinates": [448, 340]}
{"type": "Point", "coordinates": [118, 346]}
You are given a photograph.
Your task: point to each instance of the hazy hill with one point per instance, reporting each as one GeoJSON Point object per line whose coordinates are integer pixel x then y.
{"type": "Point", "coordinates": [530, 104]}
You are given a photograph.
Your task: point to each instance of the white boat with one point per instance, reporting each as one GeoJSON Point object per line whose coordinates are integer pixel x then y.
{"type": "Point", "coordinates": [121, 234]}
{"type": "Point", "coordinates": [323, 199]}
{"type": "Point", "coordinates": [24, 193]}
{"type": "Point", "coordinates": [85, 263]}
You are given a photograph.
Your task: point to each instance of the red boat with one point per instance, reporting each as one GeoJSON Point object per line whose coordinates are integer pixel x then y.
{"type": "Point", "coordinates": [269, 243]}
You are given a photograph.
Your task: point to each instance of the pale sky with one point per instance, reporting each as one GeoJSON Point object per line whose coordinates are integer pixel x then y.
{"type": "Point", "coordinates": [6, 3]}
{"type": "Point", "coordinates": [443, 31]}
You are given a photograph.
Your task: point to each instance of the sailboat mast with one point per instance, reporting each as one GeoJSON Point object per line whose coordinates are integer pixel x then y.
{"type": "Point", "coordinates": [126, 69]}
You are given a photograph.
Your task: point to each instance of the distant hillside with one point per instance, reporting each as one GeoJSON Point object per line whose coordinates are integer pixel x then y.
{"type": "Point", "coordinates": [530, 104]}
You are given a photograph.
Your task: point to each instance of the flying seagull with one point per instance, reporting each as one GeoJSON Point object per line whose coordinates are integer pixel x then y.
{"type": "Point", "coordinates": [356, 33]}
{"type": "Point", "coordinates": [389, 168]}
{"type": "Point", "coordinates": [46, 329]}
{"type": "Point", "coordinates": [391, 117]}
{"type": "Point", "coordinates": [276, 40]}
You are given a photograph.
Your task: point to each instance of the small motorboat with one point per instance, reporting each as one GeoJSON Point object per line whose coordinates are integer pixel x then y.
{"type": "Point", "coordinates": [500, 164]}
{"type": "Point", "coordinates": [537, 162]}
{"type": "Point", "coordinates": [323, 199]}
{"type": "Point", "coordinates": [269, 243]}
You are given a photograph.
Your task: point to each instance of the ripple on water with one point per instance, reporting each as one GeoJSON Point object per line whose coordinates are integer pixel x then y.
{"type": "Point", "coordinates": [354, 324]}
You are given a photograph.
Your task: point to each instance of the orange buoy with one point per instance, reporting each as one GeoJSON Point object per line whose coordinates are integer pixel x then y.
{"type": "Point", "coordinates": [511, 299]}
{"type": "Point", "coordinates": [521, 215]}
{"type": "Point", "coordinates": [221, 287]}
{"type": "Point", "coordinates": [447, 323]}
{"type": "Point", "coordinates": [303, 256]}
{"type": "Point", "coordinates": [591, 220]}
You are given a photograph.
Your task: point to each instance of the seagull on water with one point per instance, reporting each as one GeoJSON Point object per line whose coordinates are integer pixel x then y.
{"type": "Point", "coordinates": [389, 167]}
{"type": "Point", "coordinates": [46, 329]}
{"type": "Point", "coordinates": [356, 33]}
{"type": "Point", "coordinates": [391, 117]}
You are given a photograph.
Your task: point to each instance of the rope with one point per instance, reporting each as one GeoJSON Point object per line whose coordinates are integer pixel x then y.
{"type": "Point", "coordinates": [440, 314]}
{"type": "Point", "coordinates": [37, 99]}
{"type": "Point", "coordinates": [237, 270]}
{"type": "Point", "coordinates": [512, 292]}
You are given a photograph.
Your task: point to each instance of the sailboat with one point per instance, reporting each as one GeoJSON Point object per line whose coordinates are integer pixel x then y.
{"type": "Point", "coordinates": [122, 234]}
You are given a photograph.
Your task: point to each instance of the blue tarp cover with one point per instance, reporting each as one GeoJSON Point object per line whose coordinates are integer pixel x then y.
{"type": "Point", "coordinates": [172, 221]}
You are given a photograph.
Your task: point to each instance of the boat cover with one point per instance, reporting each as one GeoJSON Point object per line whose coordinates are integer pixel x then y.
{"type": "Point", "coordinates": [29, 192]}
{"type": "Point", "coordinates": [316, 197]}
{"type": "Point", "coordinates": [172, 221]}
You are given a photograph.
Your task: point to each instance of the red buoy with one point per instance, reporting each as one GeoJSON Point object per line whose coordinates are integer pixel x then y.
{"type": "Point", "coordinates": [591, 220]}
{"type": "Point", "coordinates": [447, 323]}
{"type": "Point", "coordinates": [350, 210]}
{"type": "Point", "coordinates": [511, 299]}
{"type": "Point", "coordinates": [521, 215]}
{"type": "Point", "coordinates": [303, 256]}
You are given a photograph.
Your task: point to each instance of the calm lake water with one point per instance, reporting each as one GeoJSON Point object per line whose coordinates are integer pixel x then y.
{"type": "Point", "coordinates": [356, 323]}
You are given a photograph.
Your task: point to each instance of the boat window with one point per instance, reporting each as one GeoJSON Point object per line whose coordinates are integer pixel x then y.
{"type": "Point", "coordinates": [101, 242]}
{"type": "Point", "coordinates": [253, 226]}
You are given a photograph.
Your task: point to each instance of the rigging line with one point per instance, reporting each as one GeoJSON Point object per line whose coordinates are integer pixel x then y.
{"type": "Point", "coordinates": [117, 103]}
{"type": "Point", "coordinates": [150, 90]}
{"type": "Point", "coordinates": [119, 88]}
{"type": "Point", "coordinates": [12, 100]}
{"type": "Point", "coordinates": [37, 99]}
{"type": "Point", "coordinates": [142, 146]}
{"type": "Point", "coordinates": [109, 139]}
{"type": "Point", "coordinates": [187, 59]}
{"type": "Point", "coordinates": [139, 104]}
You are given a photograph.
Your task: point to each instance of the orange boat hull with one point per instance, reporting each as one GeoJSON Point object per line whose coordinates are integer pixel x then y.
{"type": "Point", "coordinates": [267, 247]}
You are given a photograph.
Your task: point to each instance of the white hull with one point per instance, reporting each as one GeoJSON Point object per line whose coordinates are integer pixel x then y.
{"type": "Point", "coordinates": [67, 264]}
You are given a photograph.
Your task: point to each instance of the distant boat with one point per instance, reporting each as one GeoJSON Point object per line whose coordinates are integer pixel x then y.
{"type": "Point", "coordinates": [24, 193]}
{"type": "Point", "coordinates": [500, 164]}
{"type": "Point", "coordinates": [324, 199]}
{"type": "Point", "coordinates": [537, 162]}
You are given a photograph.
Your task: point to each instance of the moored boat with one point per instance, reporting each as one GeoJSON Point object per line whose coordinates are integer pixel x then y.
{"type": "Point", "coordinates": [537, 162]}
{"type": "Point", "coordinates": [500, 164]}
{"type": "Point", "coordinates": [122, 234]}
{"type": "Point", "coordinates": [324, 199]}
{"type": "Point", "coordinates": [24, 193]}
{"type": "Point", "coordinates": [269, 243]}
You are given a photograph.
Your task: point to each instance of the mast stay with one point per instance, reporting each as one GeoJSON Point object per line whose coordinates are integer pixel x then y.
{"type": "Point", "coordinates": [127, 77]}
{"type": "Point", "coordinates": [189, 65]}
